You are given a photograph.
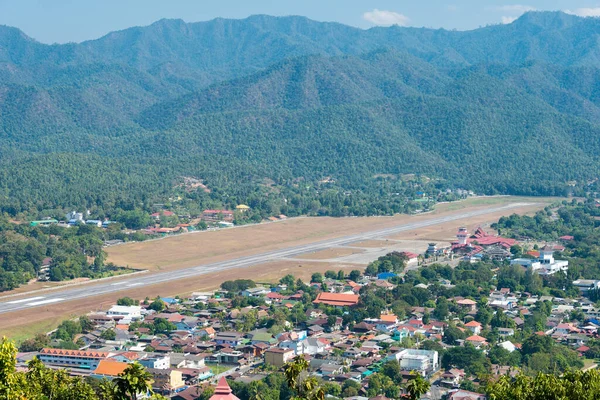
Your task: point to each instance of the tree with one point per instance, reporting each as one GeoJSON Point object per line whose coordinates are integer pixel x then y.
{"type": "Point", "coordinates": [391, 369]}
{"type": "Point", "coordinates": [572, 385]}
{"type": "Point", "coordinates": [417, 386]}
{"type": "Point", "coordinates": [303, 387]}
{"type": "Point", "coordinates": [132, 381]}
{"type": "Point", "coordinates": [108, 334]}
{"type": "Point", "coordinates": [329, 274]}
{"type": "Point", "coordinates": [441, 309]}
{"type": "Point", "coordinates": [157, 305]}
{"type": "Point", "coordinates": [452, 334]}
{"type": "Point", "coordinates": [8, 365]}
{"type": "Point", "coordinates": [317, 277]}
{"type": "Point", "coordinates": [354, 275]}
{"type": "Point", "coordinates": [127, 301]}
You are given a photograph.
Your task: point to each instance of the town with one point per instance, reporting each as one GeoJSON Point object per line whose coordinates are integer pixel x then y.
{"type": "Point", "coordinates": [458, 317]}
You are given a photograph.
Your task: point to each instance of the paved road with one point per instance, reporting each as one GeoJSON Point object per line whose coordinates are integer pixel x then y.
{"type": "Point", "coordinates": [90, 290]}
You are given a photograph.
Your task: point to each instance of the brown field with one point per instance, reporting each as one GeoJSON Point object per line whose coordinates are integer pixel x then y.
{"type": "Point", "coordinates": [191, 249]}
{"type": "Point", "coordinates": [328, 254]}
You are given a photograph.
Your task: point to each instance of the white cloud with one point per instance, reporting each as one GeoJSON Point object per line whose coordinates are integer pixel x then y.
{"type": "Point", "coordinates": [515, 8]}
{"type": "Point", "coordinates": [386, 18]}
{"type": "Point", "coordinates": [585, 12]}
{"type": "Point", "coordinates": [508, 20]}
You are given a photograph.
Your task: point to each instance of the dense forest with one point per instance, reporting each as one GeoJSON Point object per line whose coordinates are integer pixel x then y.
{"type": "Point", "coordinates": [65, 253]}
{"type": "Point", "coordinates": [297, 116]}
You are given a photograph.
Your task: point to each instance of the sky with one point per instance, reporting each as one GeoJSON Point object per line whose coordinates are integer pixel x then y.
{"type": "Point", "coordinates": [61, 21]}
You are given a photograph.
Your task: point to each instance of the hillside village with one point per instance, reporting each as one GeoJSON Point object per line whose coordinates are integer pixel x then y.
{"type": "Point", "coordinates": [498, 306]}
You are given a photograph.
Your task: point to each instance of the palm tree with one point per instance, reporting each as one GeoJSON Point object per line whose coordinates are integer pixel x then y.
{"type": "Point", "coordinates": [133, 380]}
{"type": "Point", "coordinates": [417, 386]}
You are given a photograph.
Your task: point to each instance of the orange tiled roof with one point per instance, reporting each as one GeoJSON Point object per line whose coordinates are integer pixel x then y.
{"type": "Point", "coordinates": [388, 317]}
{"type": "Point", "coordinates": [75, 353]}
{"type": "Point", "coordinates": [337, 299]}
{"type": "Point", "coordinates": [475, 338]}
{"type": "Point", "coordinates": [472, 324]}
{"type": "Point", "coordinates": [110, 368]}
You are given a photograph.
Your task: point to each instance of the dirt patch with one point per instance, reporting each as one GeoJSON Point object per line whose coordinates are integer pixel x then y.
{"type": "Point", "coordinates": [329, 254]}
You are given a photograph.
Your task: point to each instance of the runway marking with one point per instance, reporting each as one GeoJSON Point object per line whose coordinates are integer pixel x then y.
{"type": "Point", "coordinates": [134, 284]}
{"type": "Point", "coordinates": [39, 303]}
{"type": "Point", "coordinates": [119, 283]}
{"type": "Point", "coordinates": [24, 300]}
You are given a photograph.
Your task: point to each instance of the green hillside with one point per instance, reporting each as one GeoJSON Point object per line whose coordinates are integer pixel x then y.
{"type": "Point", "coordinates": [118, 121]}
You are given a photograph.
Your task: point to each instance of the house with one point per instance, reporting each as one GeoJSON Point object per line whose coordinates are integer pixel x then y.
{"type": "Point", "coordinates": [385, 275]}
{"type": "Point", "coordinates": [229, 356]}
{"type": "Point", "coordinates": [474, 327]}
{"type": "Point", "coordinates": [412, 259]}
{"type": "Point", "coordinates": [230, 338]}
{"type": "Point", "coordinates": [125, 312]}
{"type": "Point", "coordinates": [468, 304]}
{"type": "Point", "coordinates": [166, 381]}
{"type": "Point", "coordinates": [424, 362]}
{"type": "Point", "coordinates": [508, 346]}
{"type": "Point", "coordinates": [109, 369]}
{"type": "Point", "coordinates": [255, 292]}
{"type": "Point", "coordinates": [545, 264]}
{"type": "Point", "coordinates": [278, 356]}
{"type": "Point", "coordinates": [208, 332]}
{"type": "Point", "coordinates": [191, 393]}
{"type": "Point", "coordinates": [223, 391]}
{"type": "Point", "coordinates": [477, 341]}
{"type": "Point", "coordinates": [217, 215]}
{"type": "Point", "coordinates": [329, 370]}
{"type": "Point", "coordinates": [164, 213]}
{"type": "Point", "coordinates": [72, 358]}
{"type": "Point", "coordinates": [156, 362]}
{"type": "Point", "coordinates": [460, 394]}
{"type": "Point", "coordinates": [387, 317]}
{"type": "Point", "coordinates": [585, 285]}
{"type": "Point", "coordinates": [181, 360]}
{"type": "Point", "coordinates": [337, 299]}
{"type": "Point", "coordinates": [263, 337]}
{"type": "Point", "coordinates": [453, 377]}
{"type": "Point", "coordinates": [506, 332]}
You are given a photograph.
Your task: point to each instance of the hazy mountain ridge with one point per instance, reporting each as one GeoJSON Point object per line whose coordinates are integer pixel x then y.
{"type": "Point", "coordinates": [508, 108]}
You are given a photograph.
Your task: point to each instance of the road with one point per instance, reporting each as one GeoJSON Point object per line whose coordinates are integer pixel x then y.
{"type": "Point", "coordinates": [100, 288]}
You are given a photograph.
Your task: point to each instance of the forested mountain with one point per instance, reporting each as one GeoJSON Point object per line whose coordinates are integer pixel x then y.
{"type": "Point", "coordinates": [118, 120]}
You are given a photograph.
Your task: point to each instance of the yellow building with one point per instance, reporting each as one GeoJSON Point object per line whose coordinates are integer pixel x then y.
{"type": "Point", "coordinates": [166, 381]}
{"type": "Point", "coordinates": [242, 208]}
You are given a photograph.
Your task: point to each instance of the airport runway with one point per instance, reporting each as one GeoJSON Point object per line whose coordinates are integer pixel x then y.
{"type": "Point", "coordinates": [92, 289]}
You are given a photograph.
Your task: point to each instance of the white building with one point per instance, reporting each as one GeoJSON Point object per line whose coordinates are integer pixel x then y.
{"type": "Point", "coordinates": [157, 362]}
{"type": "Point", "coordinates": [545, 264]}
{"type": "Point", "coordinates": [423, 361]}
{"type": "Point", "coordinates": [125, 312]}
{"type": "Point", "coordinates": [585, 285]}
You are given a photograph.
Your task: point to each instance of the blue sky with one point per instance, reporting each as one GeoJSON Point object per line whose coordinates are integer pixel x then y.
{"type": "Point", "coordinates": [60, 21]}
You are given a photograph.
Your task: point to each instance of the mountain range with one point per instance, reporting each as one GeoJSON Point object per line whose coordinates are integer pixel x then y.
{"type": "Point", "coordinates": [511, 109]}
